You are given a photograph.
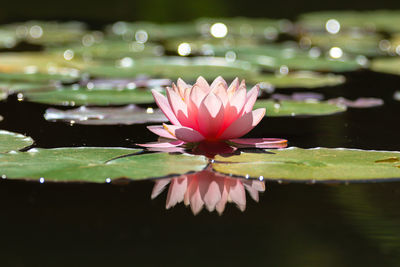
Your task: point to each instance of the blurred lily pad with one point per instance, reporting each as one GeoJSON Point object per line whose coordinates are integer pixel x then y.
{"type": "Point", "coordinates": [313, 165]}
{"type": "Point", "coordinates": [111, 49]}
{"type": "Point", "coordinates": [298, 108]}
{"type": "Point", "coordinates": [130, 114]}
{"type": "Point", "coordinates": [378, 20]}
{"type": "Point", "coordinates": [10, 141]}
{"type": "Point", "coordinates": [175, 67]}
{"type": "Point", "coordinates": [79, 96]}
{"type": "Point", "coordinates": [273, 57]}
{"type": "Point", "coordinates": [351, 42]}
{"type": "Point", "coordinates": [47, 32]}
{"type": "Point", "coordinates": [98, 165]}
{"type": "Point", "coordinates": [38, 67]}
{"type": "Point", "coordinates": [8, 39]}
{"type": "Point", "coordinates": [300, 79]}
{"type": "Point", "coordinates": [144, 31]}
{"type": "Point", "coordinates": [362, 102]}
{"type": "Point", "coordinates": [386, 65]}
{"type": "Point", "coordinates": [10, 87]}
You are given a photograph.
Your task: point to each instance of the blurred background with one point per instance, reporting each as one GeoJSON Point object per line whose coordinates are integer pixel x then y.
{"type": "Point", "coordinates": [101, 12]}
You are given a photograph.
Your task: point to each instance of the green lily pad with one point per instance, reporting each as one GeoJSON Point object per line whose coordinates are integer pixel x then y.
{"type": "Point", "coordinates": [96, 165]}
{"type": "Point", "coordinates": [298, 108]}
{"type": "Point", "coordinates": [111, 49]}
{"type": "Point", "coordinates": [354, 43]}
{"type": "Point", "coordinates": [378, 20]}
{"type": "Point", "coordinates": [7, 39]}
{"type": "Point", "coordinates": [38, 67]}
{"type": "Point", "coordinates": [127, 115]}
{"type": "Point", "coordinates": [47, 32]}
{"type": "Point", "coordinates": [176, 67]}
{"type": "Point", "coordinates": [15, 86]}
{"type": "Point", "coordinates": [273, 57]}
{"type": "Point", "coordinates": [300, 79]}
{"type": "Point", "coordinates": [71, 96]}
{"type": "Point", "coordinates": [10, 141]}
{"type": "Point", "coordinates": [143, 31]}
{"type": "Point", "coordinates": [248, 27]}
{"type": "Point", "coordinates": [315, 165]}
{"type": "Point", "coordinates": [386, 65]}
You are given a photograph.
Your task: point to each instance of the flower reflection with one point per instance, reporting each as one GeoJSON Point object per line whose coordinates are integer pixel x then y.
{"type": "Point", "coordinates": [208, 189]}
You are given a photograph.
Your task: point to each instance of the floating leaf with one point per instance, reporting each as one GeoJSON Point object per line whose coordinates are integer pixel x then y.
{"type": "Point", "coordinates": [307, 96]}
{"type": "Point", "coordinates": [130, 114]}
{"type": "Point", "coordinates": [13, 141]}
{"type": "Point", "coordinates": [301, 79]}
{"type": "Point", "coordinates": [91, 164]}
{"type": "Point", "coordinates": [142, 82]}
{"type": "Point", "coordinates": [378, 20]}
{"type": "Point", "coordinates": [84, 96]}
{"type": "Point", "coordinates": [14, 86]}
{"type": "Point", "coordinates": [111, 49]}
{"type": "Point", "coordinates": [298, 108]}
{"type": "Point", "coordinates": [355, 43]}
{"type": "Point", "coordinates": [175, 67]}
{"type": "Point", "coordinates": [386, 65]}
{"type": "Point", "coordinates": [318, 164]}
{"type": "Point", "coordinates": [361, 102]}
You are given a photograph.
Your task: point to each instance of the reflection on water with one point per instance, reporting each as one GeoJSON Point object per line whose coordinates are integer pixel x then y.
{"type": "Point", "coordinates": [209, 189]}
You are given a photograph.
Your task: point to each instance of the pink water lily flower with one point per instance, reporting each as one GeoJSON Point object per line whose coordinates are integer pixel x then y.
{"type": "Point", "coordinates": [209, 189]}
{"type": "Point", "coordinates": [215, 112]}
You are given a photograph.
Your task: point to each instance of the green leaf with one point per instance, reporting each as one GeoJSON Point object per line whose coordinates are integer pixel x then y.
{"type": "Point", "coordinates": [15, 86]}
{"type": "Point", "coordinates": [298, 108]}
{"type": "Point", "coordinates": [176, 67]}
{"type": "Point", "coordinates": [127, 115]}
{"type": "Point", "coordinates": [10, 141]}
{"type": "Point", "coordinates": [300, 79]}
{"type": "Point", "coordinates": [386, 65]}
{"type": "Point", "coordinates": [89, 164]}
{"type": "Point", "coordinates": [84, 96]}
{"type": "Point", "coordinates": [315, 165]}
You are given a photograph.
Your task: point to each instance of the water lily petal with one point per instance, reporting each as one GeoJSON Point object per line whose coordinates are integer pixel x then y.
{"type": "Point", "coordinates": [220, 207]}
{"type": "Point", "coordinates": [159, 187]}
{"type": "Point", "coordinates": [184, 133]}
{"type": "Point", "coordinates": [243, 124]}
{"type": "Point", "coordinates": [163, 104]}
{"type": "Point", "coordinates": [251, 98]}
{"type": "Point", "coordinates": [182, 85]}
{"type": "Point", "coordinates": [220, 90]}
{"type": "Point", "coordinates": [210, 189]}
{"type": "Point", "coordinates": [260, 142]}
{"type": "Point", "coordinates": [203, 84]}
{"type": "Point", "coordinates": [163, 144]}
{"type": "Point", "coordinates": [176, 191]}
{"type": "Point", "coordinates": [160, 130]}
{"type": "Point", "coordinates": [179, 107]}
{"type": "Point", "coordinates": [211, 115]}
{"type": "Point", "coordinates": [237, 193]}
{"type": "Point", "coordinates": [217, 81]}
{"type": "Point", "coordinates": [233, 87]}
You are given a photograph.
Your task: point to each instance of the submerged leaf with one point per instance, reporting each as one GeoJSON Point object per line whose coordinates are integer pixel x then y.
{"type": "Point", "coordinates": [313, 165]}
{"type": "Point", "coordinates": [10, 141]}
{"type": "Point", "coordinates": [98, 165]}
{"type": "Point", "coordinates": [298, 108]}
{"type": "Point", "coordinates": [130, 114]}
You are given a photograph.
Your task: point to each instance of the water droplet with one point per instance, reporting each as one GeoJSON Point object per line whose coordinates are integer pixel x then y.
{"type": "Point", "coordinates": [261, 178]}
{"type": "Point", "coordinates": [184, 49]}
{"type": "Point", "coordinates": [41, 180]}
{"type": "Point", "coordinates": [332, 26]}
{"type": "Point", "coordinates": [335, 52]}
{"type": "Point", "coordinates": [141, 36]}
{"type": "Point", "coordinates": [218, 30]}
{"type": "Point", "coordinates": [230, 56]}
{"type": "Point", "coordinates": [247, 176]}
{"type": "Point", "coordinates": [20, 96]}
{"type": "Point", "coordinates": [149, 110]}
{"type": "Point", "coordinates": [4, 176]}
{"type": "Point", "coordinates": [36, 31]}
{"type": "Point", "coordinates": [68, 54]}
{"type": "Point", "coordinates": [108, 180]}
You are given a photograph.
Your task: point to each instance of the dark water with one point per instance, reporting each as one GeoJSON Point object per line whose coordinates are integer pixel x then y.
{"type": "Point", "coordinates": [292, 225]}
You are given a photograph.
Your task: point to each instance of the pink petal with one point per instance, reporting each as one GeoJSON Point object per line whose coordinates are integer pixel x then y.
{"type": "Point", "coordinates": [233, 87]}
{"type": "Point", "coordinates": [163, 104]}
{"type": "Point", "coordinates": [163, 145]}
{"type": "Point", "coordinates": [234, 107]}
{"type": "Point", "coordinates": [184, 133]}
{"type": "Point", "coordinates": [160, 130]}
{"type": "Point", "coordinates": [260, 142]}
{"type": "Point", "coordinates": [243, 124]}
{"type": "Point", "coordinates": [210, 189]}
{"type": "Point", "coordinates": [176, 191]}
{"type": "Point", "coordinates": [224, 198]}
{"type": "Point", "coordinates": [179, 107]}
{"type": "Point", "coordinates": [196, 202]}
{"type": "Point", "coordinates": [220, 91]}
{"type": "Point", "coordinates": [217, 81]}
{"type": "Point", "coordinates": [211, 115]}
{"type": "Point", "coordinates": [197, 95]}
{"type": "Point", "coordinates": [159, 186]}
{"type": "Point", "coordinates": [237, 193]}
{"type": "Point", "coordinates": [182, 86]}
{"type": "Point", "coordinates": [251, 99]}
{"type": "Point", "coordinates": [203, 84]}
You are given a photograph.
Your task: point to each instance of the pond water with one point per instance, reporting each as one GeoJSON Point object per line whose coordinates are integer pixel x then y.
{"type": "Point", "coordinates": [293, 224]}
